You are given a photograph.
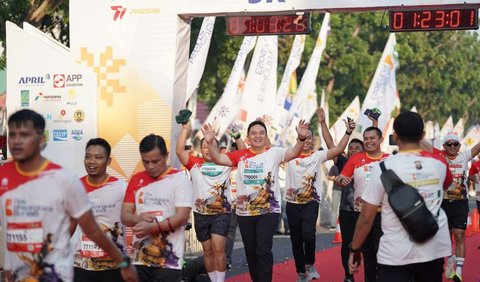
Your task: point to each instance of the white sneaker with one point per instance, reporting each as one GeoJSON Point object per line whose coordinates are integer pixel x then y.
{"type": "Point", "coordinates": [312, 273]}
{"type": "Point", "coordinates": [450, 268]}
{"type": "Point", "coordinates": [302, 277]}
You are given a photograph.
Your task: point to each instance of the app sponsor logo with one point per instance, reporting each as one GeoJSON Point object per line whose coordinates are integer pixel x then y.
{"type": "Point", "coordinates": [77, 134]}
{"type": "Point", "coordinates": [60, 135]}
{"type": "Point", "coordinates": [119, 12]}
{"type": "Point", "coordinates": [46, 133]}
{"type": "Point", "coordinates": [67, 80]}
{"type": "Point", "coordinates": [24, 98]}
{"type": "Point", "coordinates": [79, 116]}
{"type": "Point", "coordinates": [33, 80]}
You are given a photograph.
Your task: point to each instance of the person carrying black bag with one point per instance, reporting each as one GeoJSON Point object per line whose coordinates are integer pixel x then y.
{"type": "Point", "coordinates": [399, 257]}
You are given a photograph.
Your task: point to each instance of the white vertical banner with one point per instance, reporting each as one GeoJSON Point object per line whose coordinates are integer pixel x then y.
{"type": "Point", "coordinates": [134, 48]}
{"type": "Point", "coordinates": [306, 92]}
{"type": "Point", "coordinates": [258, 98]}
{"type": "Point", "coordinates": [459, 128]}
{"type": "Point", "coordinates": [446, 129]}
{"type": "Point", "coordinates": [227, 107]}
{"type": "Point", "coordinates": [338, 128]}
{"type": "Point", "coordinates": [382, 93]}
{"type": "Point", "coordinates": [49, 82]}
{"type": "Point", "coordinates": [284, 98]}
{"type": "Point", "coordinates": [472, 138]}
{"type": "Point", "coordinates": [198, 57]}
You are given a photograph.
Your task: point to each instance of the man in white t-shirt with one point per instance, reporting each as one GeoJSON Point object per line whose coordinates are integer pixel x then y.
{"type": "Point", "coordinates": [157, 205]}
{"type": "Point", "coordinates": [211, 194]}
{"type": "Point", "coordinates": [400, 258]}
{"type": "Point", "coordinates": [38, 198]}
{"type": "Point", "coordinates": [455, 202]}
{"type": "Point", "coordinates": [105, 194]}
{"type": "Point", "coordinates": [258, 191]}
{"type": "Point", "coordinates": [302, 196]}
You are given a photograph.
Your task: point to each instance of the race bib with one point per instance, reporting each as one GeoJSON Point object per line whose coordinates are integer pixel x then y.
{"type": "Point", "coordinates": [90, 249]}
{"type": "Point", "coordinates": [253, 176]}
{"type": "Point", "coordinates": [24, 237]}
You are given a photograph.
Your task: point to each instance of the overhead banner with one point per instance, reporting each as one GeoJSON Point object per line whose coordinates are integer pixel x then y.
{"type": "Point", "coordinates": [201, 7]}
{"type": "Point", "coordinates": [131, 46]}
{"type": "Point", "coordinates": [57, 88]}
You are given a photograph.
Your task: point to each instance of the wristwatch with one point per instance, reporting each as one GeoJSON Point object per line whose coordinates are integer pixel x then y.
{"type": "Point", "coordinates": [354, 250]}
{"type": "Point", "coordinates": [126, 262]}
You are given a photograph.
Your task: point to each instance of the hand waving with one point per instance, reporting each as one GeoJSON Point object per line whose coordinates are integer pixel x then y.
{"type": "Point", "coordinates": [302, 129]}
{"type": "Point", "coordinates": [208, 133]}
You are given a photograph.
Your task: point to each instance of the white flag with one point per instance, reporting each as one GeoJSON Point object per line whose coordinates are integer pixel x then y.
{"type": "Point", "coordinates": [472, 138]}
{"type": "Point", "coordinates": [459, 128]}
{"type": "Point", "coordinates": [352, 111]}
{"type": "Point", "coordinates": [258, 98]}
{"type": "Point", "coordinates": [382, 93]}
{"type": "Point", "coordinates": [446, 129]}
{"type": "Point", "coordinates": [284, 98]}
{"type": "Point", "coordinates": [226, 108]}
{"type": "Point", "coordinates": [198, 57]}
{"type": "Point", "coordinates": [306, 93]}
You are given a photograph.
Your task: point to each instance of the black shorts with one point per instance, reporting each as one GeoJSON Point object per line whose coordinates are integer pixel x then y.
{"type": "Point", "coordinates": [81, 275]}
{"type": "Point", "coordinates": [158, 274]}
{"type": "Point", "coordinates": [205, 225]}
{"type": "Point", "coordinates": [457, 213]}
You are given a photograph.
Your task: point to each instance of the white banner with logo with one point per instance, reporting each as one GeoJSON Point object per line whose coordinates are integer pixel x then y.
{"type": "Point", "coordinates": [382, 93]}
{"type": "Point", "coordinates": [258, 98]}
{"type": "Point", "coordinates": [227, 107]}
{"type": "Point", "coordinates": [198, 57]}
{"type": "Point", "coordinates": [132, 48]}
{"type": "Point", "coordinates": [47, 80]}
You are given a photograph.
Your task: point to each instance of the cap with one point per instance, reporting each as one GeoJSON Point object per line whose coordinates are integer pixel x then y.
{"type": "Point", "coordinates": [451, 136]}
{"type": "Point", "coordinates": [223, 145]}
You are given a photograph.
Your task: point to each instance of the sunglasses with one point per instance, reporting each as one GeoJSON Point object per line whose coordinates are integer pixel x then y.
{"type": "Point", "coordinates": [450, 144]}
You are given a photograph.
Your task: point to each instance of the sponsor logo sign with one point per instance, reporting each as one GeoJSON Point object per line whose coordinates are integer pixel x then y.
{"type": "Point", "coordinates": [60, 135]}
{"type": "Point", "coordinates": [24, 98]}
{"type": "Point", "coordinates": [77, 134]}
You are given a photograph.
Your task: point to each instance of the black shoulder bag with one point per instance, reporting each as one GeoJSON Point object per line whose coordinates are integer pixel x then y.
{"type": "Point", "coordinates": [409, 207]}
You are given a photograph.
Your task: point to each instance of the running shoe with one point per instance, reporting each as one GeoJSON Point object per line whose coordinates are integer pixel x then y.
{"type": "Point", "coordinates": [456, 277]}
{"type": "Point", "coordinates": [302, 277]}
{"type": "Point", "coordinates": [450, 268]}
{"type": "Point", "coordinates": [312, 273]}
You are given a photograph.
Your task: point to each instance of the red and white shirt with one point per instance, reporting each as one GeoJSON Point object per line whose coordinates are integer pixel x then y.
{"type": "Point", "coordinates": [430, 175]}
{"type": "Point", "coordinates": [458, 167]}
{"type": "Point", "coordinates": [36, 212]}
{"type": "Point", "coordinates": [360, 167]}
{"type": "Point", "coordinates": [106, 200]}
{"type": "Point", "coordinates": [160, 196]}
{"type": "Point", "coordinates": [302, 182]}
{"type": "Point", "coordinates": [211, 186]}
{"type": "Point", "coordinates": [474, 174]}
{"type": "Point", "coordinates": [258, 190]}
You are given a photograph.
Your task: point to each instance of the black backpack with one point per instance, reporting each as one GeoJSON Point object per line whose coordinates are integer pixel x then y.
{"type": "Point", "coordinates": [409, 207]}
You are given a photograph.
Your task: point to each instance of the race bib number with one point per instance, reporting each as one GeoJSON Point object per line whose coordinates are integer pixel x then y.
{"type": "Point", "coordinates": [90, 249]}
{"type": "Point", "coordinates": [253, 176]}
{"type": "Point", "coordinates": [24, 237]}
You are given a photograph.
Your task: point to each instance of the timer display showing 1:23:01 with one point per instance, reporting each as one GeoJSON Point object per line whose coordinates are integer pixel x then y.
{"type": "Point", "coordinates": [433, 19]}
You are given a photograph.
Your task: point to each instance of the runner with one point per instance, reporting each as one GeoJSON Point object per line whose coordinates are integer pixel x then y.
{"type": "Point", "coordinates": [303, 199]}
{"type": "Point", "coordinates": [211, 194]}
{"type": "Point", "coordinates": [258, 192]}
{"type": "Point", "coordinates": [157, 205]}
{"type": "Point", "coordinates": [105, 194]}
{"type": "Point", "coordinates": [400, 258]}
{"type": "Point", "coordinates": [358, 169]}
{"type": "Point", "coordinates": [455, 202]}
{"type": "Point", "coordinates": [38, 199]}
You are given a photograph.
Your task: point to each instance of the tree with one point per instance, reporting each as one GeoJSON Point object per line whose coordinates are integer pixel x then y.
{"type": "Point", "coordinates": [50, 16]}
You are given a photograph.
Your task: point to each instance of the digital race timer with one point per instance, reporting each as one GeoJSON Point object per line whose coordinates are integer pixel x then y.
{"type": "Point", "coordinates": [268, 25]}
{"type": "Point", "coordinates": [433, 19]}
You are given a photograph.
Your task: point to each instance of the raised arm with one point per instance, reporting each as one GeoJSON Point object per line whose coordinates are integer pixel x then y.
{"type": "Point", "coordinates": [237, 137]}
{"type": "Point", "coordinates": [335, 151]}
{"type": "Point", "coordinates": [182, 154]}
{"type": "Point", "coordinates": [302, 131]}
{"type": "Point", "coordinates": [217, 157]}
{"type": "Point", "coordinates": [324, 127]}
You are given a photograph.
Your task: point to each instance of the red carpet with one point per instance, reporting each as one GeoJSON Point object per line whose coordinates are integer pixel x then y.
{"type": "Point", "coordinates": [329, 266]}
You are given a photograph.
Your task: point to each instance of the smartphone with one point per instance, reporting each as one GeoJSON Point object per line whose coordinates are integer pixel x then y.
{"type": "Point", "coordinates": [391, 141]}
{"type": "Point", "coordinates": [372, 114]}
